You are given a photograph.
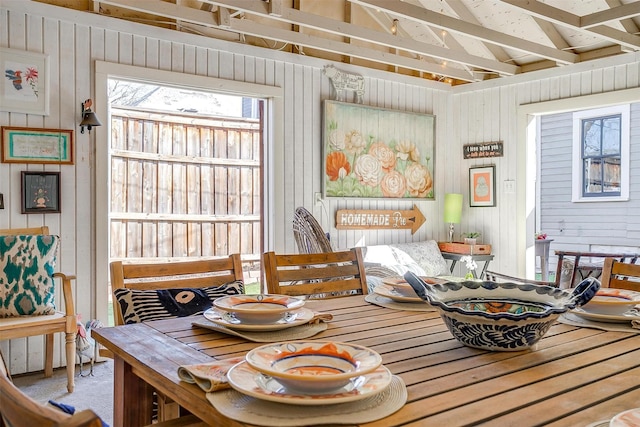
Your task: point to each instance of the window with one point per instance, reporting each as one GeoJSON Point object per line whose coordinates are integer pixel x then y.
{"type": "Point", "coordinates": [601, 154]}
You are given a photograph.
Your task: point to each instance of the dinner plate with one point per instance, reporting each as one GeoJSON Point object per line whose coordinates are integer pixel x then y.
{"type": "Point", "coordinates": [247, 380]}
{"type": "Point", "coordinates": [258, 309]}
{"type": "Point", "coordinates": [630, 315]}
{"type": "Point", "coordinates": [302, 315]}
{"type": "Point", "coordinates": [628, 418]}
{"type": "Point", "coordinates": [389, 292]}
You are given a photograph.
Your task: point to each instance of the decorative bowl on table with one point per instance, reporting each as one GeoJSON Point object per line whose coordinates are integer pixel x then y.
{"type": "Point", "coordinates": [500, 316]}
{"type": "Point", "coordinates": [258, 309]}
{"type": "Point", "coordinates": [313, 367]}
{"type": "Point", "coordinates": [612, 301]}
{"type": "Point", "coordinates": [402, 287]}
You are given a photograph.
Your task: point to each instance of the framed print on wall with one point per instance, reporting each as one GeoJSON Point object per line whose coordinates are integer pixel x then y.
{"type": "Point", "coordinates": [40, 192]}
{"type": "Point", "coordinates": [374, 152]}
{"type": "Point", "coordinates": [25, 82]}
{"type": "Point", "coordinates": [482, 186]}
{"type": "Point", "coordinates": [31, 145]}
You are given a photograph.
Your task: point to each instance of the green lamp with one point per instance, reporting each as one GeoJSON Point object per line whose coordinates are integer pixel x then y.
{"type": "Point", "coordinates": [452, 211]}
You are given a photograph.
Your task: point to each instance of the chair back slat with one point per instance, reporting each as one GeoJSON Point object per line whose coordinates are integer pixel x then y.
{"type": "Point", "coordinates": [621, 275]}
{"type": "Point", "coordinates": [24, 231]}
{"type": "Point", "coordinates": [317, 275]}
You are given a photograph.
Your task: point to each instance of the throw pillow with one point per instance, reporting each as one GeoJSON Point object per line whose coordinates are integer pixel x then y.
{"type": "Point", "coordinates": [427, 255]}
{"type": "Point", "coordinates": [27, 264]}
{"type": "Point", "coordinates": [142, 305]}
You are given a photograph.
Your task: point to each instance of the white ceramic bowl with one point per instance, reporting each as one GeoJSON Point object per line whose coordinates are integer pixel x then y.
{"type": "Point", "coordinates": [313, 366]}
{"type": "Point", "coordinates": [611, 301]}
{"type": "Point", "coordinates": [500, 316]}
{"type": "Point", "coordinates": [258, 309]}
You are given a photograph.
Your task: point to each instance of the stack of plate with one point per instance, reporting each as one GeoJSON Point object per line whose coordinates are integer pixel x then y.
{"type": "Point", "coordinates": [611, 305]}
{"type": "Point", "coordinates": [261, 312]}
{"type": "Point", "coordinates": [310, 373]}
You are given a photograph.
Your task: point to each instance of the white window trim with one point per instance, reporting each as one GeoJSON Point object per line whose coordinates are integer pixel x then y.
{"type": "Point", "coordinates": [576, 164]}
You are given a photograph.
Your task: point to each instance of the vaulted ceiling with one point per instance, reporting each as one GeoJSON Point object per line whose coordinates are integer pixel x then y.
{"type": "Point", "coordinates": [456, 41]}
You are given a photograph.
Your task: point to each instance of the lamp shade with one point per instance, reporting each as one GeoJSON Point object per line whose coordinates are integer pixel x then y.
{"type": "Point", "coordinates": [452, 207]}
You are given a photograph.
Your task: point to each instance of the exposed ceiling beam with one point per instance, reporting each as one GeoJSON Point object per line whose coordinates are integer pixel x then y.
{"type": "Point", "coordinates": [628, 24]}
{"type": "Point", "coordinates": [552, 33]}
{"type": "Point", "coordinates": [568, 19]}
{"type": "Point", "coordinates": [252, 28]}
{"type": "Point", "coordinates": [463, 13]}
{"type": "Point", "coordinates": [259, 7]}
{"type": "Point", "coordinates": [613, 14]}
{"type": "Point", "coordinates": [439, 20]}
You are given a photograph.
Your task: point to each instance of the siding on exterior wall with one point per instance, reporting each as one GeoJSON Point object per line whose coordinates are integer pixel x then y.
{"type": "Point", "coordinates": [588, 225]}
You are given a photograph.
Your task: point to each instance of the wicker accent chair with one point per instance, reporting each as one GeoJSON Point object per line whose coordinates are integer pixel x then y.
{"type": "Point", "coordinates": [312, 239]}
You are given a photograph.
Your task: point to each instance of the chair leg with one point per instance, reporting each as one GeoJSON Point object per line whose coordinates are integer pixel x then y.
{"type": "Point", "coordinates": [70, 349]}
{"type": "Point", "coordinates": [48, 355]}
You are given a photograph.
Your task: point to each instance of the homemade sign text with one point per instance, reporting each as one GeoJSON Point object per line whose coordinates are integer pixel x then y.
{"type": "Point", "coordinates": [359, 219]}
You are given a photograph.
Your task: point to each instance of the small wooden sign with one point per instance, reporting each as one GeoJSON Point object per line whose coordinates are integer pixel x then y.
{"type": "Point", "coordinates": [362, 219]}
{"type": "Point", "coordinates": [485, 149]}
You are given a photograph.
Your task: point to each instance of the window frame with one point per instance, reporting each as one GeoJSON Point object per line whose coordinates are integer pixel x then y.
{"type": "Point", "coordinates": [624, 111]}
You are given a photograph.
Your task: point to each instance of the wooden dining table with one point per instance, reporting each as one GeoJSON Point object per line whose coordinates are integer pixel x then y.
{"type": "Point", "coordinates": [574, 376]}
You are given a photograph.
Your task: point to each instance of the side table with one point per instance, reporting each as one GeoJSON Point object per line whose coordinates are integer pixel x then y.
{"type": "Point", "coordinates": [486, 258]}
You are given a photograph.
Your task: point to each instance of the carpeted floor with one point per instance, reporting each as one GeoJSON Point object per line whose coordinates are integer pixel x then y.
{"type": "Point", "coordinates": [91, 392]}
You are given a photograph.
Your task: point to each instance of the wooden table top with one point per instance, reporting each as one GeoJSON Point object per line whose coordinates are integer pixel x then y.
{"type": "Point", "coordinates": [573, 377]}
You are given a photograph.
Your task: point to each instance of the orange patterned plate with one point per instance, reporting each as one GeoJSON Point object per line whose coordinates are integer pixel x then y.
{"type": "Point", "coordinates": [391, 293]}
{"type": "Point", "coordinates": [247, 380]}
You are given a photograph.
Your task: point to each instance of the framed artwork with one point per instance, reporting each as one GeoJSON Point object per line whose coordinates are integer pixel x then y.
{"type": "Point", "coordinates": [29, 145]}
{"type": "Point", "coordinates": [40, 192]}
{"type": "Point", "coordinates": [482, 186]}
{"type": "Point", "coordinates": [25, 83]}
{"type": "Point", "coordinates": [377, 153]}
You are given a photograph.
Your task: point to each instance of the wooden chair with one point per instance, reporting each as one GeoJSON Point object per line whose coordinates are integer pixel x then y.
{"type": "Point", "coordinates": [326, 274]}
{"type": "Point", "coordinates": [18, 409]}
{"type": "Point", "coordinates": [47, 325]}
{"type": "Point", "coordinates": [167, 275]}
{"type": "Point", "coordinates": [186, 274]}
{"type": "Point", "coordinates": [616, 274]}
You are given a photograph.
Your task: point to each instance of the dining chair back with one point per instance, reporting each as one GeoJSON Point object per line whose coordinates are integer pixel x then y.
{"type": "Point", "coordinates": [47, 324]}
{"type": "Point", "coordinates": [616, 274]}
{"type": "Point", "coordinates": [168, 275]}
{"type": "Point", "coordinates": [319, 275]}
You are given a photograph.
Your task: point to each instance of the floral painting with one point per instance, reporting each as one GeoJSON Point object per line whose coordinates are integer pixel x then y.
{"type": "Point", "coordinates": [377, 153]}
{"type": "Point", "coordinates": [24, 87]}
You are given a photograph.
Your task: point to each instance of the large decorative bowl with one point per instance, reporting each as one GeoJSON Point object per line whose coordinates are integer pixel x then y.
{"type": "Point", "coordinates": [258, 309]}
{"type": "Point", "coordinates": [313, 367]}
{"type": "Point", "coordinates": [500, 316]}
{"type": "Point", "coordinates": [612, 301]}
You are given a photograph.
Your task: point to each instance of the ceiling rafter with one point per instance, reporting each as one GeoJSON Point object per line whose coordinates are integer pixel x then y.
{"type": "Point", "coordinates": [333, 26]}
{"type": "Point", "coordinates": [439, 20]}
{"type": "Point", "coordinates": [245, 26]}
{"type": "Point", "coordinates": [561, 17]}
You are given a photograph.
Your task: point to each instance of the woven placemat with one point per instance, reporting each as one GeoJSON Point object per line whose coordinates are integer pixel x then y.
{"type": "Point", "coordinates": [389, 303]}
{"type": "Point", "coordinates": [574, 320]}
{"type": "Point", "coordinates": [294, 333]}
{"type": "Point", "coordinates": [246, 409]}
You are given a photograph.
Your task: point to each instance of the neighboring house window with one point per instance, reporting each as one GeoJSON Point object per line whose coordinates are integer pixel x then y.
{"type": "Point", "coordinates": [601, 154]}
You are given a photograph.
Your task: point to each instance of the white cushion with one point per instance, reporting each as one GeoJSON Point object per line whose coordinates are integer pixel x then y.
{"type": "Point", "coordinates": [421, 258]}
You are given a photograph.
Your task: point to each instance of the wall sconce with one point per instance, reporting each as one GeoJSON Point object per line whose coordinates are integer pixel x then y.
{"type": "Point", "coordinates": [394, 27]}
{"type": "Point", "coordinates": [89, 118]}
{"type": "Point", "coordinates": [452, 211]}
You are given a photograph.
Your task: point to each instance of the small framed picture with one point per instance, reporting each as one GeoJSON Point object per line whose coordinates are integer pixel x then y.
{"type": "Point", "coordinates": [33, 145]}
{"type": "Point", "coordinates": [25, 88]}
{"type": "Point", "coordinates": [40, 192]}
{"type": "Point", "coordinates": [482, 186]}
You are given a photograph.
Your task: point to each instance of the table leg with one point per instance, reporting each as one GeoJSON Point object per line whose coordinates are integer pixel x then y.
{"type": "Point", "coordinates": [132, 397]}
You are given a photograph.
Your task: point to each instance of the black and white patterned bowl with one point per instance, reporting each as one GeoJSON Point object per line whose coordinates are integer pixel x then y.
{"type": "Point", "coordinates": [500, 316]}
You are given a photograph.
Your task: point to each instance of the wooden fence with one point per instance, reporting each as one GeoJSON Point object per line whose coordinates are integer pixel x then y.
{"type": "Point", "coordinates": [185, 186]}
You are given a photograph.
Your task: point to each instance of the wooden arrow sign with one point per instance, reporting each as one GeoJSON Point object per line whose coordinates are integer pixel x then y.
{"type": "Point", "coordinates": [362, 219]}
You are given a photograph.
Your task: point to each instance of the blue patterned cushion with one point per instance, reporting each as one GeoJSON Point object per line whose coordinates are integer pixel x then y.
{"type": "Point", "coordinates": [26, 275]}
{"type": "Point", "coordinates": [142, 305]}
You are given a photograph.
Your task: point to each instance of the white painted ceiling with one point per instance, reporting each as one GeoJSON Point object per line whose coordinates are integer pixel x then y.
{"type": "Point", "coordinates": [456, 41]}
